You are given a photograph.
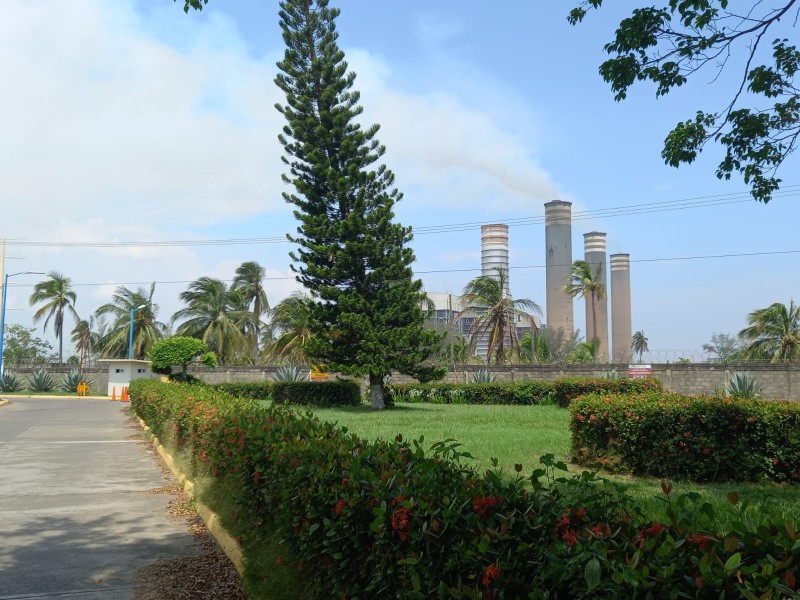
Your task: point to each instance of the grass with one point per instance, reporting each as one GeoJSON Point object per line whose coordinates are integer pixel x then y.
{"type": "Point", "coordinates": [521, 434]}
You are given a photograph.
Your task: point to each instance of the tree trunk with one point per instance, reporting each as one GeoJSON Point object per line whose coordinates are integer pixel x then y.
{"type": "Point", "coordinates": [595, 341]}
{"type": "Point", "coordinates": [376, 391]}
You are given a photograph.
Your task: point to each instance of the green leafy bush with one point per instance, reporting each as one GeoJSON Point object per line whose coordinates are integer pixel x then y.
{"type": "Point", "coordinates": [10, 382]}
{"type": "Point", "coordinates": [690, 438]}
{"type": "Point", "coordinates": [41, 381]}
{"type": "Point", "coordinates": [179, 351]}
{"type": "Point", "coordinates": [254, 390]}
{"type": "Point", "coordinates": [560, 391]}
{"type": "Point", "coordinates": [317, 393]}
{"type": "Point", "coordinates": [384, 519]}
{"type": "Point", "coordinates": [567, 388]}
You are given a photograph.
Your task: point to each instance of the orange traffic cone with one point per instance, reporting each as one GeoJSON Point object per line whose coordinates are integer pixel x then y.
{"type": "Point", "coordinates": [114, 394]}
{"type": "Point", "coordinates": [123, 397]}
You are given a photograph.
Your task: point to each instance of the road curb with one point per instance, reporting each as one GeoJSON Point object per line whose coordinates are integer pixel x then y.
{"type": "Point", "coordinates": [225, 540]}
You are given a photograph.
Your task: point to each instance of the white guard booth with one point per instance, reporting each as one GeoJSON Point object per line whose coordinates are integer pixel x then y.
{"type": "Point", "coordinates": [121, 371]}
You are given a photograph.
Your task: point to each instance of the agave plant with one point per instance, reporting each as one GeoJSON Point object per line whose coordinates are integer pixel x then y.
{"type": "Point", "coordinates": [483, 376]}
{"type": "Point", "coordinates": [41, 381]}
{"type": "Point", "coordinates": [10, 382]}
{"type": "Point", "coordinates": [612, 375]}
{"type": "Point", "coordinates": [743, 385]}
{"type": "Point", "coordinates": [72, 380]}
{"type": "Point", "coordinates": [290, 374]}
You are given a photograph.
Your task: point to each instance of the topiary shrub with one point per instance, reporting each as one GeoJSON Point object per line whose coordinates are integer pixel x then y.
{"type": "Point", "coordinates": [179, 350]}
{"type": "Point", "coordinates": [317, 393]}
{"type": "Point", "coordinates": [688, 438]}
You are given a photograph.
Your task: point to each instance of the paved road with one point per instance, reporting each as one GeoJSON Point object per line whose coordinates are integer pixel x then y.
{"type": "Point", "coordinates": [75, 519]}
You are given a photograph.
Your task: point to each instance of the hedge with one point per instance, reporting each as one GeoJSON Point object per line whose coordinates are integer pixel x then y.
{"type": "Point", "coordinates": [559, 391]}
{"type": "Point", "coordinates": [690, 438]}
{"type": "Point", "coordinates": [383, 519]}
{"type": "Point", "coordinates": [317, 393]}
{"type": "Point", "coordinates": [254, 390]}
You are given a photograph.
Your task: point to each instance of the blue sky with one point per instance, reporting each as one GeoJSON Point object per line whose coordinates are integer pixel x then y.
{"type": "Point", "coordinates": [136, 122]}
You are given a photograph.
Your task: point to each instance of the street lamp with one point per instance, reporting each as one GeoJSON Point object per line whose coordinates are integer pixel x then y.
{"type": "Point", "coordinates": [130, 330]}
{"type": "Point", "coordinates": [3, 312]}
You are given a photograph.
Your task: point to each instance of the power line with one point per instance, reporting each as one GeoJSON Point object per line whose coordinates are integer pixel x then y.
{"type": "Point", "coordinates": [789, 191]}
{"type": "Point", "coordinates": [468, 270]}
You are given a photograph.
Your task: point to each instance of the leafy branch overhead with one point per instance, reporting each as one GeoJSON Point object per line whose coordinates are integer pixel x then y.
{"type": "Point", "coordinates": [759, 126]}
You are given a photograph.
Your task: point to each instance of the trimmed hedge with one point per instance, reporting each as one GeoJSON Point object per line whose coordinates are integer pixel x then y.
{"type": "Point", "coordinates": [691, 438]}
{"type": "Point", "coordinates": [568, 388]}
{"type": "Point", "coordinates": [380, 519]}
{"type": "Point", "coordinates": [317, 393]}
{"type": "Point", "coordinates": [254, 390]}
{"type": "Point", "coordinates": [527, 392]}
{"type": "Point", "coordinates": [559, 391]}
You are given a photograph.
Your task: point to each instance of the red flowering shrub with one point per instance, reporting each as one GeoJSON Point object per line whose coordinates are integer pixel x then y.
{"type": "Point", "coordinates": [690, 438]}
{"type": "Point", "coordinates": [385, 519]}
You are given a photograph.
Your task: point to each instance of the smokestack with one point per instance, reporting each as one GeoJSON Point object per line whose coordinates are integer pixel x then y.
{"type": "Point", "coordinates": [594, 245]}
{"type": "Point", "coordinates": [621, 329]}
{"type": "Point", "coordinates": [494, 252]}
{"type": "Point", "coordinates": [558, 261]}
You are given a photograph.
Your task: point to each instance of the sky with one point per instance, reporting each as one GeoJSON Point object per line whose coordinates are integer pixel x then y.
{"type": "Point", "coordinates": [131, 122]}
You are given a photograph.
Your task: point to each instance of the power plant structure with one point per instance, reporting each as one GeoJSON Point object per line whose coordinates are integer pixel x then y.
{"type": "Point", "coordinates": [621, 327]}
{"type": "Point", "coordinates": [494, 253]}
{"type": "Point", "coordinates": [558, 264]}
{"type": "Point", "coordinates": [594, 252]}
{"type": "Point", "coordinates": [451, 312]}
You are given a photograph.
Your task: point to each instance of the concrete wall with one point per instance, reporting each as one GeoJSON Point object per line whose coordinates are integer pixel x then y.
{"type": "Point", "coordinates": [778, 381]}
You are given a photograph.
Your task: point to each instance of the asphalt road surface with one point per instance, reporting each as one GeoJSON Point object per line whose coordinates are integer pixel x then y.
{"type": "Point", "coordinates": [76, 521]}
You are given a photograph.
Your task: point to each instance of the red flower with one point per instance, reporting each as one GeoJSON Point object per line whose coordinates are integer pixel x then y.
{"type": "Point", "coordinates": [340, 506]}
{"type": "Point", "coordinates": [491, 574]}
{"type": "Point", "coordinates": [570, 537]}
{"type": "Point", "coordinates": [483, 503]}
{"type": "Point", "coordinates": [400, 522]}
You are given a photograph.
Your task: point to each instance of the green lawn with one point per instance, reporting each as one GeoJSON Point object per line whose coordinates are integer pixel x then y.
{"type": "Point", "coordinates": [521, 434]}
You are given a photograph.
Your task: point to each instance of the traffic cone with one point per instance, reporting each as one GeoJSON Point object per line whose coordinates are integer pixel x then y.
{"type": "Point", "coordinates": [114, 394]}
{"type": "Point", "coordinates": [123, 397]}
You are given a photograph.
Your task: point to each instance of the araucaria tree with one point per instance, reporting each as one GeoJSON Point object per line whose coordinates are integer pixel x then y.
{"type": "Point", "coordinates": [365, 313]}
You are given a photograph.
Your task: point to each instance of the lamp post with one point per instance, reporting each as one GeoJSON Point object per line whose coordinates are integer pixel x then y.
{"type": "Point", "coordinates": [3, 312]}
{"type": "Point", "coordinates": [130, 330]}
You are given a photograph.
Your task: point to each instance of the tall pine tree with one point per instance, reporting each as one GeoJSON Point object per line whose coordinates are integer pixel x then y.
{"type": "Point", "coordinates": [365, 309]}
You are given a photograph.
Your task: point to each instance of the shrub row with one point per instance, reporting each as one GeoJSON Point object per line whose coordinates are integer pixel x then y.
{"type": "Point", "coordinates": [559, 391]}
{"type": "Point", "coordinates": [384, 519]}
{"type": "Point", "coordinates": [253, 390]}
{"type": "Point", "coordinates": [307, 393]}
{"type": "Point", "coordinates": [692, 438]}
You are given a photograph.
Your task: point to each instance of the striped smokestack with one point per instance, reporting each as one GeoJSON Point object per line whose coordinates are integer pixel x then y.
{"type": "Point", "coordinates": [621, 328]}
{"type": "Point", "coordinates": [594, 244]}
{"type": "Point", "coordinates": [558, 261]}
{"type": "Point", "coordinates": [494, 252]}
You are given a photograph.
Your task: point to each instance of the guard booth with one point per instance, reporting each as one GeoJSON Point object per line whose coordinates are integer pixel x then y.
{"type": "Point", "coordinates": [121, 371]}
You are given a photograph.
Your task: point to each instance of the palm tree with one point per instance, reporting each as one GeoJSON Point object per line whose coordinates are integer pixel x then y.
{"type": "Point", "coordinates": [586, 283]}
{"type": "Point", "coordinates": [249, 280]}
{"type": "Point", "coordinates": [217, 315]}
{"type": "Point", "coordinates": [639, 344]}
{"type": "Point", "coordinates": [773, 333]}
{"type": "Point", "coordinates": [291, 320]}
{"type": "Point", "coordinates": [495, 314]}
{"type": "Point", "coordinates": [585, 352]}
{"type": "Point", "coordinates": [57, 297]}
{"type": "Point", "coordinates": [86, 335]}
{"type": "Point", "coordinates": [146, 329]}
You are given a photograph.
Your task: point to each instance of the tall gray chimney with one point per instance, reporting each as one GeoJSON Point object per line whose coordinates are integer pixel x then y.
{"type": "Point", "coordinates": [594, 244]}
{"type": "Point", "coordinates": [558, 261]}
{"type": "Point", "coordinates": [621, 328]}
